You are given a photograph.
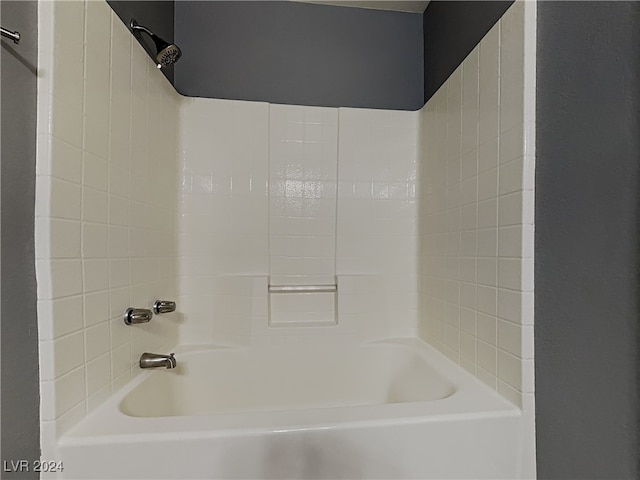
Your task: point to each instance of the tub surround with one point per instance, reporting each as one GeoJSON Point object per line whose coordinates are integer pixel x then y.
{"type": "Point", "coordinates": [303, 187]}
{"type": "Point", "coordinates": [406, 224]}
{"type": "Point", "coordinates": [292, 195]}
{"type": "Point", "coordinates": [105, 208]}
{"type": "Point", "coordinates": [476, 210]}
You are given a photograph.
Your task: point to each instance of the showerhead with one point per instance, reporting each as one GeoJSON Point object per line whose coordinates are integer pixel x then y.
{"type": "Point", "coordinates": [167, 54]}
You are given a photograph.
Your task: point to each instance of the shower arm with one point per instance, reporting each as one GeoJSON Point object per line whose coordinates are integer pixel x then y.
{"type": "Point", "coordinates": [135, 27]}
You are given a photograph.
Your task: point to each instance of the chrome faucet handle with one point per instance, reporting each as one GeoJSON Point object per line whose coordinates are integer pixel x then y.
{"type": "Point", "coordinates": [164, 306]}
{"type": "Point", "coordinates": [137, 315]}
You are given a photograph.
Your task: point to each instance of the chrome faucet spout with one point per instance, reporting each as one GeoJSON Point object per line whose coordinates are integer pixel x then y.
{"type": "Point", "coordinates": [155, 360]}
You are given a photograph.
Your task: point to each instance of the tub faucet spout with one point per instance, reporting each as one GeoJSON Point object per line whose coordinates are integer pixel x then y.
{"type": "Point", "coordinates": [153, 360]}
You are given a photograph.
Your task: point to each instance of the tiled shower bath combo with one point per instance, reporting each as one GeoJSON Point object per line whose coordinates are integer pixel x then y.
{"type": "Point", "coordinates": [354, 287]}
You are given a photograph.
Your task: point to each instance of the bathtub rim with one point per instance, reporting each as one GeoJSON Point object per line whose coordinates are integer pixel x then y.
{"type": "Point", "coordinates": [471, 400]}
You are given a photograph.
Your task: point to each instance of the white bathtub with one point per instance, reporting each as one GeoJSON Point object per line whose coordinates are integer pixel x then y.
{"type": "Point", "coordinates": [393, 409]}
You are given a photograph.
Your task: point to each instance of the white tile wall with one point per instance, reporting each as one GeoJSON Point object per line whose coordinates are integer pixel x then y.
{"type": "Point", "coordinates": [377, 208]}
{"type": "Point", "coordinates": [476, 210]}
{"type": "Point", "coordinates": [303, 174]}
{"type": "Point", "coordinates": [107, 143]}
{"type": "Point", "coordinates": [223, 220]}
{"type": "Point", "coordinates": [290, 191]}
{"type": "Point", "coordinates": [303, 170]}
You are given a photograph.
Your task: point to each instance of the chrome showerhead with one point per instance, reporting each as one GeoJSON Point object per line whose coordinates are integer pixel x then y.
{"type": "Point", "coordinates": [167, 54]}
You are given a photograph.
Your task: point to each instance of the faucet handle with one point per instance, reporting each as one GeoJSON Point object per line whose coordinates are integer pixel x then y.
{"type": "Point", "coordinates": [137, 315]}
{"type": "Point", "coordinates": [164, 306]}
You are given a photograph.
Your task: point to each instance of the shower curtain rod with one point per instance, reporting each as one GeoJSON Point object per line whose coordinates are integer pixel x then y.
{"type": "Point", "coordinates": [15, 36]}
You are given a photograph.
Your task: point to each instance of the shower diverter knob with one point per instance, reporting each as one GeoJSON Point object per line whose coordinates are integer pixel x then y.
{"type": "Point", "coordinates": [164, 306]}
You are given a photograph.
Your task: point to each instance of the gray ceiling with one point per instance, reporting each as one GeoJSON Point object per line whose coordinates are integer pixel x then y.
{"type": "Point", "coordinates": [397, 5]}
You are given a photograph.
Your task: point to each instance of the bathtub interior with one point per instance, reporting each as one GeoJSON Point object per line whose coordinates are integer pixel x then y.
{"type": "Point", "coordinates": [162, 404]}
{"type": "Point", "coordinates": [236, 380]}
{"type": "Point", "coordinates": [471, 433]}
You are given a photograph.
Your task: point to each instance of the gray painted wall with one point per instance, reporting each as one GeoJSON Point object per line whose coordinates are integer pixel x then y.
{"type": "Point", "coordinates": [291, 53]}
{"type": "Point", "coordinates": [296, 53]}
{"type": "Point", "coordinates": [452, 29]}
{"type": "Point", "coordinates": [20, 395]}
{"type": "Point", "coordinates": [156, 15]}
{"type": "Point", "coordinates": [587, 295]}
